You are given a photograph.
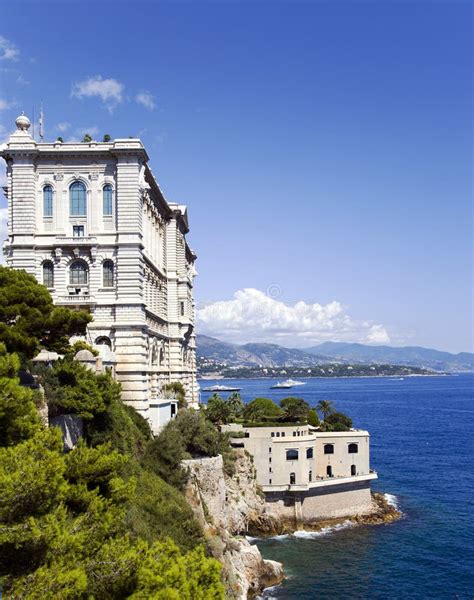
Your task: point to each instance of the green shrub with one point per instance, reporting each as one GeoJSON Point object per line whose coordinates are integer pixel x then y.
{"type": "Point", "coordinates": [313, 418]}
{"type": "Point", "coordinates": [157, 510]}
{"type": "Point", "coordinates": [176, 389]}
{"type": "Point", "coordinates": [164, 454]}
{"type": "Point", "coordinates": [121, 425]}
{"type": "Point", "coordinates": [70, 387]}
{"type": "Point", "coordinates": [19, 419]}
{"type": "Point", "coordinates": [338, 421]}
{"type": "Point", "coordinates": [262, 409]}
{"type": "Point", "coordinates": [294, 409]}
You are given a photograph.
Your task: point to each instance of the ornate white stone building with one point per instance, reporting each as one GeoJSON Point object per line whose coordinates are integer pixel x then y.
{"type": "Point", "coordinates": [90, 222]}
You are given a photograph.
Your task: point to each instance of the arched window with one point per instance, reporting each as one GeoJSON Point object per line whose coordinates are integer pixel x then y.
{"type": "Point", "coordinates": [77, 199]}
{"type": "Point", "coordinates": [103, 341]}
{"type": "Point", "coordinates": [328, 448]}
{"type": "Point", "coordinates": [292, 479]}
{"type": "Point", "coordinates": [78, 273]}
{"type": "Point", "coordinates": [292, 455]}
{"type": "Point", "coordinates": [47, 201]}
{"type": "Point", "coordinates": [353, 448]}
{"type": "Point", "coordinates": [48, 274]}
{"type": "Point", "coordinates": [309, 453]}
{"type": "Point", "coordinates": [310, 476]}
{"type": "Point", "coordinates": [107, 200]}
{"type": "Point", "coordinates": [108, 273]}
{"type": "Point", "coordinates": [353, 470]}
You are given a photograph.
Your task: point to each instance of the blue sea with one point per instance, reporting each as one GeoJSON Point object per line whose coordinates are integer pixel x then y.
{"type": "Point", "coordinates": [422, 432]}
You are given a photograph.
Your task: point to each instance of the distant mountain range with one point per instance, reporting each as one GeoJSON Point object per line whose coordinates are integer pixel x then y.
{"type": "Point", "coordinates": [210, 349]}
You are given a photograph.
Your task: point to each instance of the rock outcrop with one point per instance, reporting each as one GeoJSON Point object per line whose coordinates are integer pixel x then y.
{"type": "Point", "coordinates": [225, 506]}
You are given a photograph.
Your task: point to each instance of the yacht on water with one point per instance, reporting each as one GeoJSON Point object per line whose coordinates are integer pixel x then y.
{"type": "Point", "coordinates": [285, 385]}
{"type": "Point", "coordinates": [221, 388]}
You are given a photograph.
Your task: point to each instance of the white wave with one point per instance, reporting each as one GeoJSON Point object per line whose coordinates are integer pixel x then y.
{"type": "Point", "coordinates": [283, 536]}
{"type": "Point", "coordinates": [324, 531]}
{"type": "Point", "coordinates": [391, 500]}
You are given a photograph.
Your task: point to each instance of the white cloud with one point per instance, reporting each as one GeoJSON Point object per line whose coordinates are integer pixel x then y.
{"type": "Point", "coordinates": [8, 50]}
{"type": "Point", "coordinates": [63, 126]}
{"type": "Point", "coordinates": [4, 104]}
{"type": "Point", "coordinates": [377, 335]}
{"type": "Point", "coordinates": [255, 316]}
{"type": "Point", "coordinates": [110, 91]}
{"type": "Point", "coordinates": [21, 80]}
{"type": "Point", "coordinates": [146, 99]}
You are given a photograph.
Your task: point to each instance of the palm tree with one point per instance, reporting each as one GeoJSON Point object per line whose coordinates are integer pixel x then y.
{"type": "Point", "coordinates": [325, 407]}
{"type": "Point", "coordinates": [235, 404]}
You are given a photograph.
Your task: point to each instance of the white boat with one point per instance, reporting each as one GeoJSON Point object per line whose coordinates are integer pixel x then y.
{"type": "Point", "coordinates": [221, 388]}
{"type": "Point", "coordinates": [282, 385]}
{"type": "Point", "coordinates": [286, 385]}
{"type": "Point", "coordinates": [294, 382]}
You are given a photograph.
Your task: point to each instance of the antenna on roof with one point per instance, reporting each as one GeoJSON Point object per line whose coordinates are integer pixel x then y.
{"type": "Point", "coordinates": [41, 123]}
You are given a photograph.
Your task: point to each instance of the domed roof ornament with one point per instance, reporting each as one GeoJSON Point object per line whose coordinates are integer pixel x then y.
{"type": "Point", "coordinates": [22, 122]}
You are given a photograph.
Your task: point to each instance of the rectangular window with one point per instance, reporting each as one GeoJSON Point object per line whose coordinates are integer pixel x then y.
{"type": "Point", "coordinates": [270, 459]}
{"type": "Point", "coordinates": [269, 469]}
{"type": "Point", "coordinates": [78, 230]}
{"type": "Point", "coordinates": [48, 201]}
{"type": "Point", "coordinates": [269, 449]}
{"type": "Point", "coordinates": [282, 434]}
{"type": "Point", "coordinates": [272, 434]}
{"type": "Point", "coordinates": [182, 308]}
{"type": "Point", "coordinates": [107, 197]}
{"type": "Point", "coordinates": [270, 482]}
{"type": "Point", "coordinates": [292, 455]}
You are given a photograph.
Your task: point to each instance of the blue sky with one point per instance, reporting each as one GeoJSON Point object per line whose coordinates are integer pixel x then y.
{"type": "Point", "coordinates": [324, 150]}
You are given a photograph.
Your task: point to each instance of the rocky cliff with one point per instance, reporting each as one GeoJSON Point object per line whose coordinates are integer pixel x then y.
{"type": "Point", "coordinates": [225, 506]}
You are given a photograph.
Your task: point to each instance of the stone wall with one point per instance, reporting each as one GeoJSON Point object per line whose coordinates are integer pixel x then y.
{"type": "Point", "coordinates": [342, 500]}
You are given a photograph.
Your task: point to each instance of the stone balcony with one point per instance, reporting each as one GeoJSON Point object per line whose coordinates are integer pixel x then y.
{"type": "Point", "coordinates": [86, 240]}
{"type": "Point", "coordinates": [75, 299]}
{"type": "Point", "coordinates": [320, 482]}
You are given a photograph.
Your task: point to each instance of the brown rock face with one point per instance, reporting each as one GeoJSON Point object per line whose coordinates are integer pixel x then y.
{"type": "Point", "coordinates": [226, 506]}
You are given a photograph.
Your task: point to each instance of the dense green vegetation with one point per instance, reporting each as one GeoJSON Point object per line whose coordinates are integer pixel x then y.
{"type": "Point", "coordinates": [190, 435]}
{"type": "Point", "coordinates": [98, 521]}
{"type": "Point", "coordinates": [263, 412]}
{"type": "Point", "coordinates": [29, 320]}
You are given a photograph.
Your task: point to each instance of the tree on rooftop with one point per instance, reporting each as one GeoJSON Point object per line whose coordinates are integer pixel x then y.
{"type": "Point", "coordinates": [29, 320]}
{"type": "Point", "coordinates": [262, 409]}
{"type": "Point", "coordinates": [294, 409]}
{"type": "Point", "coordinates": [325, 407]}
{"type": "Point", "coordinates": [87, 138]}
{"type": "Point", "coordinates": [106, 138]}
{"type": "Point", "coordinates": [338, 421]}
{"type": "Point", "coordinates": [313, 418]}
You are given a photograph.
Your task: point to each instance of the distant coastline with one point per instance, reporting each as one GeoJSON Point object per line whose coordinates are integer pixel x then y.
{"type": "Point", "coordinates": [272, 377]}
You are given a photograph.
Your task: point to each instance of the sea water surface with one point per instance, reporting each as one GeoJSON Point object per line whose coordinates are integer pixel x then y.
{"type": "Point", "coordinates": [422, 431]}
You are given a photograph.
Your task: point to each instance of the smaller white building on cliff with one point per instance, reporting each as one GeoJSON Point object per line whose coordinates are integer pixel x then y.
{"type": "Point", "coordinates": [309, 474]}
